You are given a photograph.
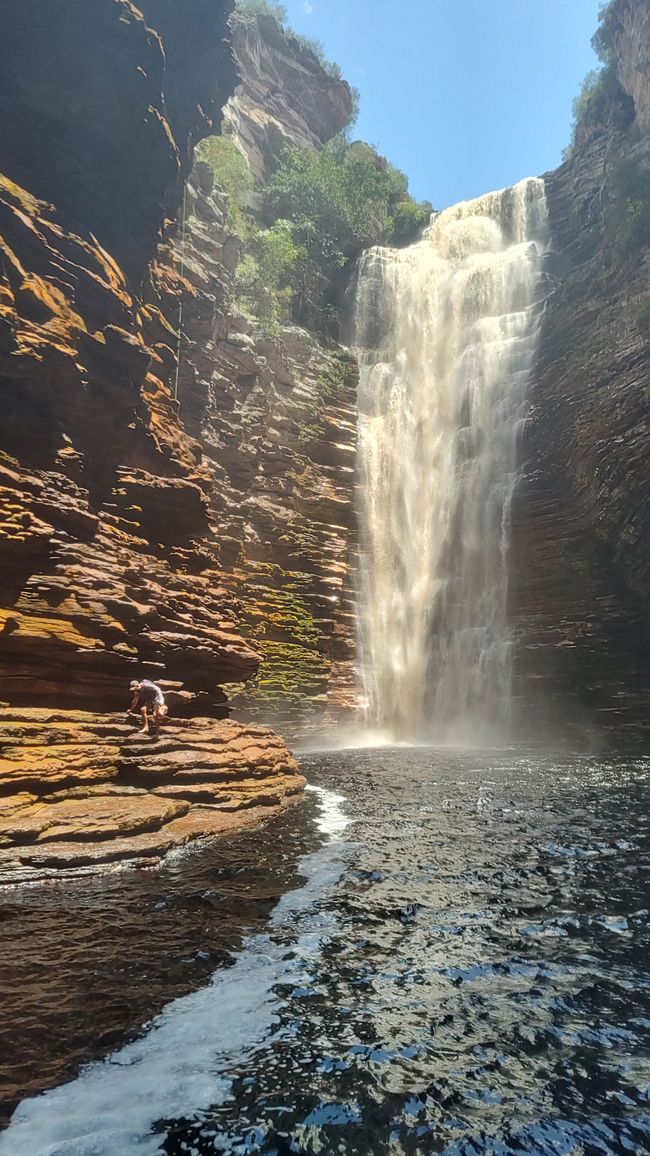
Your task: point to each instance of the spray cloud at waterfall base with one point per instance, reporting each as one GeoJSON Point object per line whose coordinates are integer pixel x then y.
{"type": "Point", "coordinates": [446, 332]}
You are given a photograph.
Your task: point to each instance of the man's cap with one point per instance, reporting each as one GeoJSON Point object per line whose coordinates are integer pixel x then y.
{"type": "Point", "coordinates": [134, 682]}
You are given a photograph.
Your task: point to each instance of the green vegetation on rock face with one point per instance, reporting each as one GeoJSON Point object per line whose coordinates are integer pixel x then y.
{"type": "Point", "coordinates": [629, 189]}
{"type": "Point", "coordinates": [231, 172]}
{"type": "Point", "coordinates": [280, 15]}
{"type": "Point", "coordinates": [319, 211]}
{"type": "Point", "coordinates": [600, 95]}
{"type": "Point", "coordinates": [267, 270]}
{"type": "Point", "coordinates": [625, 210]}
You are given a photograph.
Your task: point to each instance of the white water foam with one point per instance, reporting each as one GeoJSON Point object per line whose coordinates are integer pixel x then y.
{"type": "Point", "coordinates": [176, 1069]}
{"type": "Point", "coordinates": [446, 332]}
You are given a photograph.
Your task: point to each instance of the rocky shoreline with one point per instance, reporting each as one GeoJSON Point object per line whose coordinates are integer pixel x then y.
{"type": "Point", "coordinates": [85, 790]}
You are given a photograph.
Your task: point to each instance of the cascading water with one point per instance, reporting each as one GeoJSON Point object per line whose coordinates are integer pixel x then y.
{"type": "Point", "coordinates": [446, 332]}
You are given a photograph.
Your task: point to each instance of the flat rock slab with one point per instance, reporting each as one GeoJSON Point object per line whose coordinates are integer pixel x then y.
{"type": "Point", "coordinates": [82, 790]}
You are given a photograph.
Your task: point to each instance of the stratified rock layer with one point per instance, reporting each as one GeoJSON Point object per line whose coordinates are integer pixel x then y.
{"type": "Point", "coordinates": [82, 790]}
{"type": "Point", "coordinates": [284, 93]}
{"type": "Point", "coordinates": [108, 563]}
{"type": "Point", "coordinates": [581, 533]}
{"type": "Point", "coordinates": [275, 415]}
{"type": "Point", "coordinates": [109, 552]}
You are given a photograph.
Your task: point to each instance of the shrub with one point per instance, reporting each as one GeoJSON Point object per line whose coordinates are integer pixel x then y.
{"type": "Point", "coordinates": [603, 38]}
{"type": "Point", "coordinates": [263, 8]}
{"type": "Point", "coordinates": [231, 173]}
{"type": "Point", "coordinates": [600, 92]}
{"type": "Point", "coordinates": [629, 188]}
{"type": "Point", "coordinates": [599, 95]}
{"type": "Point", "coordinates": [265, 274]}
{"type": "Point", "coordinates": [408, 220]}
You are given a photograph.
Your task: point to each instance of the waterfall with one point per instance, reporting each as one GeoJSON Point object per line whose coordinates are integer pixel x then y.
{"type": "Point", "coordinates": [446, 332]}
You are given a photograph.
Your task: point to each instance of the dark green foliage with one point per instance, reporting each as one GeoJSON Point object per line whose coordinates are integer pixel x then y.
{"type": "Point", "coordinates": [600, 94]}
{"type": "Point", "coordinates": [339, 201]}
{"type": "Point", "coordinates": [266, 274]}
{"type": "Point", "coordinates": [408, 220]}
{"type": "Point", "coordinates": [263, 8]}
{"type": "Point", "coordinates": [603, 38]}
{"type": "Point", "coordinates": [629, 189]}
{"type": "Point", "coordinates": [229, 167]}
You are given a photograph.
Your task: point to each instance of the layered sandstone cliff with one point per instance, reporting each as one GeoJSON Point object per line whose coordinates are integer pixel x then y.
{"type": "Point", "coordinates": [274, 414]}
{"type": "Point", "coordinates": [582, 515]}
{"type": "Point", "coordinates": [109, 552]}
{"type": "Point", "coordinates": [284, 93]}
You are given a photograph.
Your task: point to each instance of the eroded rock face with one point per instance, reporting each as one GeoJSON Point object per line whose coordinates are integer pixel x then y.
{"type": "Point", "coordinates": [82, 790]}
{"type": "Point", "coordinates": [274, 413]}
{"type": "Point", "coordinates": [106, 100]}
{"type": "Point", "coordinates": [109, 554]}
{"type": "Point", "coordinates": [632, 48]}
{"type": "Point", "coordinates": [581, 529]}
{"type": "Point", "coordinates": [284, 93]}
{"type": "Point", "coordinates": [108, 563]}
{"type": "Point", "coordinates": [276, 418]}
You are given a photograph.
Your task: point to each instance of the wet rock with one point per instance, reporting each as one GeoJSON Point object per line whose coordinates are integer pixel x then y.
{"type": "Point", "coordinates": [102, 793]}
{"type": "Point", "coordinates": [581, 517]}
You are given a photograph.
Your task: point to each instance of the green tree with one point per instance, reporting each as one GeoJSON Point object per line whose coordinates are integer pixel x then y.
{"type": "Point", "coordinates": [340, 201]}
{"type": "Point", "coordinates": [600, 93]}
{"type": "Point", "coordinates": [266, 273]}
{"type": "Point", "coordinates": [408, 220]}
{"type": "Point", "coordinates": [231, 173]}
{"type": "Point", "coordinates": [603, 38]}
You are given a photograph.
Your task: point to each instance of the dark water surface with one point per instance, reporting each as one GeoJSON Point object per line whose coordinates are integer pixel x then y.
{"type": "Point", "coordinates": [462, 968]}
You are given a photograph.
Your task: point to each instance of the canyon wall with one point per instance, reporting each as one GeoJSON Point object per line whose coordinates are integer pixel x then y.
{"type": "Point", "coordinates": [581, 521]}
{"type": "Point", "coordinates": [110, 556]}
{"type": "Point", "coordinates": [274, 413]}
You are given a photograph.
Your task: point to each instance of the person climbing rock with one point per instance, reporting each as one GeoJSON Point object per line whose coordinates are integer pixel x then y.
{"type": "Point", "coordinates": [148, 699]}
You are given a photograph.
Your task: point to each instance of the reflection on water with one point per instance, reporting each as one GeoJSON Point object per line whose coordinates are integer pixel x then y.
{"type": "Point", "coordinates": [463, 968]}
{"type": "Point", "coordinates": [84, 963]}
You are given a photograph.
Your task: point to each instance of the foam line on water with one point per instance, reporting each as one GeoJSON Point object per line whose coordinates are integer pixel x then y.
{"type": "Point", "coordinates": [176, 1069]}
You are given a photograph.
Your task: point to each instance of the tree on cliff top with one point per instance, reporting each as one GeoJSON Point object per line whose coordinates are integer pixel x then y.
{"type": "Point", "coordinates": [280, 14]}
{"type": "Point", "coordinates": [339, 201]}
{"type": "Point", "coordinates": [263, 8]}
{"type": "Point", "coordinates": [600, 93]}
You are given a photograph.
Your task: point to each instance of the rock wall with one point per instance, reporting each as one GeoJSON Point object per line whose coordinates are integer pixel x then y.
{"type": "Point", "coordinates": [275, 415]}
{"type": "Point", "coordinates": [283, 94]}
{"type": "Point", "coordinates": [107, 562]}
{"type": "Point", "coordinates": [109, 553]}
{"type": "Point", "coordinates": [581, 543]}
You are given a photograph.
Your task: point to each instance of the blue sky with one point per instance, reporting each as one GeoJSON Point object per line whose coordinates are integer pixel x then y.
{"type": "Point", "coordinates": [464, 95]}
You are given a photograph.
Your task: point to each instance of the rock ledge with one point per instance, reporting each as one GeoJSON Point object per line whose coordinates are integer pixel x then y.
{"type": "Point", "coordinates": [82, 790]}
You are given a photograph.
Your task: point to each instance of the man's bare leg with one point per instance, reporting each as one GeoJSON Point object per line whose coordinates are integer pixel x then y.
{"type": "Point", "coordinates": [145, 721]}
